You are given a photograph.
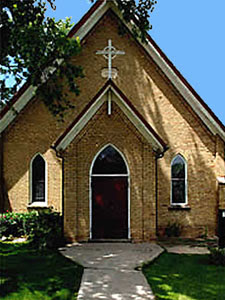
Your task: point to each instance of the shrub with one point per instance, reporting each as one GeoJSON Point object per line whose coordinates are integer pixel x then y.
{"type": "Point", "coordinates": [47, 231]}
{"type": "Point", "coordinates": [173, 230]}
{"type": "Point", "coordinates": [42, 228]}
{"type": "Point", "coordinates": [217, 256]}
{"type": "Point", "coordinates": [16, 224]}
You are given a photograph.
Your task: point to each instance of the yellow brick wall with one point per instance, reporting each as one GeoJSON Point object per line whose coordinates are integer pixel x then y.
{"type": "Point", "coordinates": [29, 135]}
{"type": "Point", "coordinates": [117, 130]}
{"type": "Point", "coordinates": [35, 130]}
{"type": "Point", "coordinates": [221, 193]}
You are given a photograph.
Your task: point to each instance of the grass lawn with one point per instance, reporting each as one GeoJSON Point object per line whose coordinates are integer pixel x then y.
{"type": "Point", "coordinates": [185, 277]}
{"type": "Point", "coordinates": [27, 274]}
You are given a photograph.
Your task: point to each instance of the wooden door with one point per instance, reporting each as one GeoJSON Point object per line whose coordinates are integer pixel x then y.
{"type": "Point", "coordinates": [110, 207]}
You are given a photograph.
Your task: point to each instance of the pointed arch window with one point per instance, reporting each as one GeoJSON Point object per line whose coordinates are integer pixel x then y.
{"type": "Point", "coordinates": [38, 180]}
{"type": "Point", "coordinates": [178, 181]}
{"type": "Point", "coordinates": [109, 161]}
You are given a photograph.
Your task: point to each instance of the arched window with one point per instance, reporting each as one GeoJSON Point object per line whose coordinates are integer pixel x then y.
{"type": "Point", "coordinates": [109, 161]}
{"type": "Point", "coordinates": [178, 180]}
{"type": "Point", "coordinates": [38, 179]}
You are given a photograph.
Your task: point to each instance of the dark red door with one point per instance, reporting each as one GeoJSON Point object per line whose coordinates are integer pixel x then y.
{"type": "Point", "coordinates": [109, 207]}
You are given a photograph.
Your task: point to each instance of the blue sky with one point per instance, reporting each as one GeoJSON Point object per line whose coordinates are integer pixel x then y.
{"type": "Point", "coordinates": [191, 33]}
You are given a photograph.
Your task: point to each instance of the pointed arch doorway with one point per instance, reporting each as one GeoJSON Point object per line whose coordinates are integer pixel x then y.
{"type": "Point", "coordinates": [109, 195]}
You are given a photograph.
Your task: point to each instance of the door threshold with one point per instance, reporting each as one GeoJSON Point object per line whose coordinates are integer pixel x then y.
{"type": "Point", "coordinates": [110, 241]}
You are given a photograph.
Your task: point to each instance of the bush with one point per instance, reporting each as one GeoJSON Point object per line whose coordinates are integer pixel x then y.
{"type": "Point", "coordinates": [16, 224]}
{"type": "Point", "coordinates": [217, 256]}
{"type": "Point", "coordinates": [47, 232]}
{"type": "Point", "coordinates": [43, 229]}
{"type": "Point", "coordinates": [173, 230]}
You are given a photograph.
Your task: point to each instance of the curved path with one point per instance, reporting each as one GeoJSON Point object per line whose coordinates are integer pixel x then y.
{"type": "Point", "coordinates": [110, 270]}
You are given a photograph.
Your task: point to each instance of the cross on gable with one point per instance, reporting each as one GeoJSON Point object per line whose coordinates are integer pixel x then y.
{"type": "Point", "coordinates": [110, 53]}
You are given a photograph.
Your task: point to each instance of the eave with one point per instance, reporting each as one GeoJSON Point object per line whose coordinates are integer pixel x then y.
{"type": "Point", "coordinates": [118, 97]}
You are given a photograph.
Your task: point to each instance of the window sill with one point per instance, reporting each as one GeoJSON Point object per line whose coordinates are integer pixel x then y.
{"type": "Point", "coordinates": [179, 207]}
{"type": "Point", "coordinates": [38, 205]}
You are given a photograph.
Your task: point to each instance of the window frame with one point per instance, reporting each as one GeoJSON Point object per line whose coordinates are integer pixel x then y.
{"type": "Point", "coordinates": [31, 201]}
{"type": "Point", "coordinates": [185, 182]}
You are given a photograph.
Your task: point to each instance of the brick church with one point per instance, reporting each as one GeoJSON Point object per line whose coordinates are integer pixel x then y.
{"type": "Point", "coordinates": [141, 150]}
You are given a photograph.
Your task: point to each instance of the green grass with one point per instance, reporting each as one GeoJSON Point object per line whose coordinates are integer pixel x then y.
{"type": "Point", "coordinates": [185, 277]}
{"type": "Point", "coordinates": [28, 274]}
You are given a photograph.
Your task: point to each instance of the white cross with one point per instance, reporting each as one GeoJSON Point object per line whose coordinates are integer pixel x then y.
{"type": "Point", "coordinates": [110, 53]}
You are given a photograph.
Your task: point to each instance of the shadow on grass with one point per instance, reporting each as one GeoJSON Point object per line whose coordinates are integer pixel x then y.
{"type": "Point", "coordinates": [30, 274]}
{"type": "Point", "coordinates": [186, 277]}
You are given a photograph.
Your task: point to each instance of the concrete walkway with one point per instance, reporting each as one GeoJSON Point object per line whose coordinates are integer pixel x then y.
{"type": "Point", "coordinates": [109, 270]}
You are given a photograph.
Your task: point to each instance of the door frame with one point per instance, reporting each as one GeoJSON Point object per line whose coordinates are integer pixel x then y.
{"type": "Point", "coordinates": [108, 175]}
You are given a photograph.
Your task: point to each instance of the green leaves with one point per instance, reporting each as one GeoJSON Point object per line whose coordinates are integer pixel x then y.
{"type": "Point", "coordinates": [139, 12]}
{"type": "Point", "coordinates": [33, 48]}
{"type": "Point", "coordinates": [36, 49]}
{"type": "Point", "coordinates": [43, 228]}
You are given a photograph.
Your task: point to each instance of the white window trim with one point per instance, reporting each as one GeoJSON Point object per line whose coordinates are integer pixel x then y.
{"type": "Point", "coordinates": [108, 175]}
{"type": "Point", "coordinates": [186, 182]}
{"type": "Point", "coordinates": [36, 203]}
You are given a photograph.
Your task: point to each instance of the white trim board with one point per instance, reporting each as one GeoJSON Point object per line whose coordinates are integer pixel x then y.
{"type": "Point", "coordinates": [135, 120]}
{"type": "Point", "coordinates": [82, 122]}
{"type": "Point", "coordinates": [17, 107]}
{"type": "Point", "coordinates": [186, 181]}
{"type": "Point", "coordinates": [36, 203]}
{"type": "Point", "coordinates": [92, 20]}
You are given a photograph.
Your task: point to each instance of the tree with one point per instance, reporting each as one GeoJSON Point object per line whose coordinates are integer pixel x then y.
{"type": "Point", "coordinates": [30, 44]}
{"type": "Point", "coordinates": [37, 49]}
{"type": "Point", "coordinates": [139, 12]}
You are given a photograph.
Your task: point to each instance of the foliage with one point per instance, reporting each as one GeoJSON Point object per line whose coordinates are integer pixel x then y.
{"type": "Point", "coordinates": [217, 256]}
{"type": "Point", "coordinates": [186, 277]}
{"type": "Point", "coordinates": [205, 234]}
{"type": "Point", "coordinates": [30, 274]}
{"type": "Point", "coordinates": [30, 45]}
{"type": "Point", "coordinates": [138, 12]}
{"type": "Point", "coordinates": [17, 224]}
{"type": "Point", "coordinates": [42, 228]}
{"type": "Point", "coordinates": [38, 50]}
{"type": "Point", "coordinates": [47, 230]}
{"type": "Point", "coordinates": [173, 229]}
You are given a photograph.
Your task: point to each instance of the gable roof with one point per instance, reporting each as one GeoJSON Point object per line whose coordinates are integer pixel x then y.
{"type": "Point", "coordinates": [81, 29]}
{"type": "Point", "coordinates": [110, 92]}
